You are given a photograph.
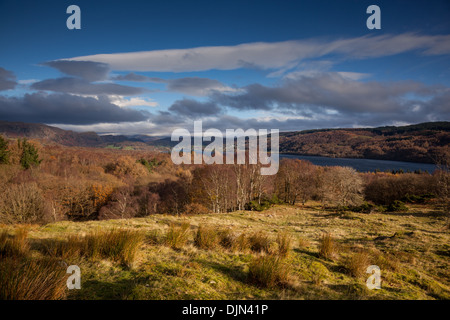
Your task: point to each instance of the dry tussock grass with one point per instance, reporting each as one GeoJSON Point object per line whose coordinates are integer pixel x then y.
{"type": "Point", "coordinates": [328, 248]}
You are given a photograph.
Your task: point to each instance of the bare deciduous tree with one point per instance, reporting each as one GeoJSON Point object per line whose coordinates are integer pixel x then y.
{"type": "Point", "coordinates": [296, 181]}
{"type": "Point", "coordinates": [443, 179]}
{"type": "Point", "coordinates": [342, 186]}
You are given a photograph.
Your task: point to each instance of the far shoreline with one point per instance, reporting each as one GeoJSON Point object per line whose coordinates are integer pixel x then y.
{"type": "Point", "coordinates": [361, 158]}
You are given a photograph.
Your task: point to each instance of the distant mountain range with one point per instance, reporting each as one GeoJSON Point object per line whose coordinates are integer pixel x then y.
{"type": "Point", "coordinates": [49, 134]}
{"type": "Point", "coordinates": [415, 143]}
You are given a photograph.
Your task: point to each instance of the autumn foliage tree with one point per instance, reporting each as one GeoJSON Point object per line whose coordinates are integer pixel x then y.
{"type": "Point", "coordinates": [94, 183]}
{"type": "Point", "coordinates": [384, 189]}
{"type": "Point", "coordinates": [172, 195]}
{"type": "Point", "coordinates": [122, 204]}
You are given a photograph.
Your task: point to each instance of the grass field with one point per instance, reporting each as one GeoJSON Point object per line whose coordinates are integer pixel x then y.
{"type": "Point", "coordinates": [284, 252]}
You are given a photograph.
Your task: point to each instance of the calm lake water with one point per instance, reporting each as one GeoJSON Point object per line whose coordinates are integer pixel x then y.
{"type": "Point", "coordinates": [365, 165]}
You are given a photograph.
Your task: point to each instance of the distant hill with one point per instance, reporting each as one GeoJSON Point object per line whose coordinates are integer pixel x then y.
{"type": "Point", "coordinates": [414, 143]}
{"type": "Point", "coordinates": [51, 134]}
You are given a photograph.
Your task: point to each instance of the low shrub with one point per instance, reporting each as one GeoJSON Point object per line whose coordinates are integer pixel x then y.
{"type": "Point", "coordinates": [14, 245]}
{"type": "Point", "coordinates": [268, 271]}
{"type": "Point", "coordinates": [356, 265]}
{"type": "Point", "coordinates": [118, 245]}
{"type": "Point", "coordinates": [258, 206]}
{"type": "Point", "coordinates": [412, 198]}
{"type": "Point", "coordinates": [177, 236]}
{"type": "Point", "coordinates": [229, 240]}
{"type": "Point", "coordinates": [149, 164]}
{"type": "Point", "coordinates": [29, 279]}
{"type": "Point", "coordinates": [71, 248]}
{"type": "Point", "coordinates": [259, 242]}
{"type": "Point", "coordinates": [303, 243]}
{"type": "Point", "coordinates": [206, 237]}
{"type": "Point", "coordinates": [328, 248]}
{"type": "Point", "coordinates": [155, 237]}
{"type": "Point", "coordinates": [284, 242]}
{"type": "Point", "coordinates": [397, 206]}
{"type": "Point", "coordinates": [241, 243]}
{"type": "Point", "coordinates": [366, 207]}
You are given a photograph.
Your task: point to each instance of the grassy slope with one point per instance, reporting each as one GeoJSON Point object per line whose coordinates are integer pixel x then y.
{"type": "Point", "coordinates": [414, 265]}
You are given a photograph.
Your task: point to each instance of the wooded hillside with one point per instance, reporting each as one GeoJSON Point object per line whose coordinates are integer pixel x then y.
{"type": "Point", "coordinates": [415, 143]}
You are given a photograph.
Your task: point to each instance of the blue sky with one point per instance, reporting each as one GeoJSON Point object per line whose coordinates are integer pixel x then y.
{"type": "Point", "coordinates": [149, 67]}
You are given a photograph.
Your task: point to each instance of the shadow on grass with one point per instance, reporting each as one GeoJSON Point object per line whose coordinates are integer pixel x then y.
{"type": "Point", "coordinates": [339, 288]}
{"type": "Point", "coordinates": [38, 244]}
{"type": "Point", "coordinates": [338, 269]}
{"type": "Point", "coordinates": [105, 290]}
{"type": "Point", "coordinates": [234, 272]}
{"type": "Point", "coordinates": [444, 253]}
{"type": "Point", "coordinates": [58, 249]}
{"type": "Point", "coordinates": [328, 214]}
{"type": "Point", "coordinates": [431, 214]}
{"type": "Point", "coordinates": [309, 253]}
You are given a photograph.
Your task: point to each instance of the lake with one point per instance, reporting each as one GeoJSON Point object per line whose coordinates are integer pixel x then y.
{"type": "Point", "coordinates": [365, 165]}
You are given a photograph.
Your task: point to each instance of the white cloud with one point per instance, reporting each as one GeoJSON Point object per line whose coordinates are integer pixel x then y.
{"type": "Point", "coordinates": [353, 75]}
{"type": "Point", "coordinates": [132, 102]}
{"type": "Point", "coordinates": [296, 75]}
{"type": "Point", "coordinates": [198, 86]}
{"type": "Point", "coordinates": [128, 128]}
{"type": "Point", "coordinates": [265, 55]}
{"type": "Point", "coordinates": [121, 101]}
{"type": "Point", "coordinates": [27, 81]}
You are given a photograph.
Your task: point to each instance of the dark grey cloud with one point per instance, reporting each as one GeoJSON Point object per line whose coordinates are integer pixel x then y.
{"type": "Point", "coordinates": [195, 109]}
{"type": "Point", "coordinates": [434, 109]}
{"type": "Point", "coordinates": [326, 92]}
{"type": "Point", "coordinates": [317, 122]}
{"type": "Point", "coordinates": [164, 118]}
{"type": "Point", "coordinates": [402, 109]}
{"type": "Point", "coordinates": [195, 86]}
{"type": "Point", "coordinates": [88, 70]}
{"type": "Point", "coordinates": [65, 109]}
{"type": "Point", "coordinates": [81, 86]}
{"type": "Point", "coordinates": [291, 124]}
{"type": "Point", "coordinates": [254, 97]}
{"type": "Point", "coordinates": [311, 102]}
{"type": "Point", "coordinates": [137, 78]}
{"type": "Point", "coordinates": [7, 79]}
{"type": "Point", "coordinates": [163, 123]}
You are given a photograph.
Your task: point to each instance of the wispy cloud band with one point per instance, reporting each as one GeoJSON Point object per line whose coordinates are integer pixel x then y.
{"type": "Point", "coordinates": [265, 55]}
